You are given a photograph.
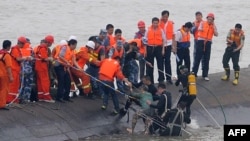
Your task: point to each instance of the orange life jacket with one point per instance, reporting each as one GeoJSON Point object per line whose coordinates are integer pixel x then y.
{"type": "Point", "coordinates": [15, 64]}
{"type": "Point", "coordinates": [26, 50]}
{"type": "Point", "coordinates": [68, 54]}
{"type": "Point", "coordinates": [55, 50]}
{"type": "Point", "coordinates": [111, 40]}
{"type": "Point", "coordinates": [196, 24]}
{"type": "Point", "coordinates": [108, 68]}
{"type": "Point", "coordinates": [139, 45]}
{"type": "Point", "coordinates": [185, 41]}
{"type": "Point", "coordinates": [169, 30]}
{"type": "Point", "coordinates": [236, 37]}
{"type": "Point", "coordinates": [155, 36]}
{"type": "Point", "coordinates": [82, 57]}
{"type": "Point", "coordinates": [95, 54]}
{"type": "Point", "coordinates": [207, 31]}
{"type": "Point", "coordinates": [118, 53]}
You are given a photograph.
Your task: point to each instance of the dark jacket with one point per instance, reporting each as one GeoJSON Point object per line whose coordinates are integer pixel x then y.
{"type": "Point", "coordinates": [162, 101]}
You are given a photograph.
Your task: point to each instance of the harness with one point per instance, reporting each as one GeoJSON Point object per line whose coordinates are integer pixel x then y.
{"type": "Point", "coordinates": [173, 123]}
{"type": "Point", "coordinates": [166, 107]}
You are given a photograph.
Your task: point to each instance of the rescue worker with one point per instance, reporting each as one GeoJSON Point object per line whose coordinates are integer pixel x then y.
{"type": "Point", "coordinates": [165, 101]}
{"type": "Point", "coordinates": [27, 73]}
{"type": "Point", "coordinates": [141, 30]}
{"type": "Point", "coordinates": [206, 31]}
{"type": "Point", "coordinates": [188, 96]}
{"type": "Point", "coordinates": [181, 46]}
{"type": "Point", "coordinates": [142, 96]}
{"type": "Point", "coordinates": [172, 123]}
{"type": "Point", "coordinates": [65, 60]}
{"type": "Point", "coordinates": [194, 31]}
{"type": "Point", "coordinates": [109, 38]}
{"type": "Point", "coordinates": [131, 68]}
{"type": "Point", "coordinates": [93, 69]}
{"type": "Point", "coordinates": [17, 58]}
{"type": "Point", "coordinates": [168, 29]}
{"type": "Point", "coordinates": [42, 70]}
{"type": "Point", "coordinates": [155, 38]}
{"type": "Point", "coordinates": [109, 69]}
{"type": "Point", "coordinates": [85, 55]}
{"type": "Point", "coordinates": [140, 54]}
{"type": "Point", "coordinates": [118, 36]}
{"type": "Point", "coordinates": [117, 50]}
{"type": "Point", "coordinates": [164, 104]}
{"type": "Point", "coordinates": [6, 76]}
{"type": "Point", "coordinates": [235, 42]}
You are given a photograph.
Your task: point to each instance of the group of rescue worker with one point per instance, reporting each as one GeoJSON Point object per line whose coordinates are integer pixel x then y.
{"type": "Point", "coordinates": [108, 58]}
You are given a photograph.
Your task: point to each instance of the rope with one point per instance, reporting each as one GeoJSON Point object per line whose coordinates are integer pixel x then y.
{"type": "Point", "coordinates": [105, 84]}
{"type": "Point", "coordinates": [202, 104]}
{"type": "Point", "coordinates": [210, 92]}
{"type": "Point", "coordinates": [208, 112]}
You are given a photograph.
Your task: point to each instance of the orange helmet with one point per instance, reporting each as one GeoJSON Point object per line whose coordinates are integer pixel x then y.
{"type": "Point", "coordinates": [210, 15]}
{"type": "Point", "coordinates": [141, 24]}
{"type": "Point", "coordinates": [49, 39]}
{"type": "Point", "coordinates": [22, 39]}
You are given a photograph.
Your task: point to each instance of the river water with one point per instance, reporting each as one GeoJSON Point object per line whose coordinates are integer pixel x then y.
{"type": "Point", "coordinates": [83, 18]}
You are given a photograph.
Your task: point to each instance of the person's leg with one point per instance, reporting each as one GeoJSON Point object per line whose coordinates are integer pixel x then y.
{"type": "Point", "coordinates": [206, 57]}
{"type": "Point", "coordinates": [150, 59]}
{"type": "Point", "coordinates": [60, 78]}
{"type": "Point", "coordinates": [198, 56]}
{"type": "Point", "coordinates": [180, 54]}
{"type": "Point", "coordinates": [225, 62]}
{"type": "Point", "coordinates": [105, 94]}
{"type": "Point", "coordinates": [114, 98]}
{"type": "Point", "coordinates": [187, 58]}
{"type": "Point", "coordinates": [168, 69]}
{"type": "Point", "coordinates": [160, 62]}
{"type": "Point", "coordinates": [235, 60]}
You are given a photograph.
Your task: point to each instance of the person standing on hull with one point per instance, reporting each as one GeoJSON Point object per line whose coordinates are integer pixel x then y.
{"type": "Point", "coordinates": [5, 73]}
{"type": "Point", "coordinates": [194, 31]}
{"type": "Point", "coordinates": [118, 50]}
{"type": "Point", "coordinates": [189, 90]}
{"type": "Point", "coordinates": [27, 72]}
{"type": "Point", "coordinates": [235, 42]}
{"type": "Point", "coordinates": [109, 70]}
{"type": "Point", "coordinates": [84, 56]}
{"type": "Point", "coordinates": [42, 70]}
{"type": "Point", "coordinates": [65, 59]}
{"type": "Point", "coordinates": [17, 58]}
{"type": "Point", "coordinates": [168, 28]}
{"type": "Point", "coordinates": [109, 39]}
{"type": "Point", "coordinates": [206, 31]}
{"type": "Point", "coordinates": [97, 54]}
{"type": "Point", "coordinates": [181, 46]}
{"type": "Point", "coordinates": [155, 38]}
{"type": "Point", "coordinates": [139, 35]}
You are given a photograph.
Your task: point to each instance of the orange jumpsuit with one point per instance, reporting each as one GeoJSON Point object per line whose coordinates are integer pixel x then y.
{"type": "Point", "coordinates": [83, 57]}
{"type": "Point", "coordinates": [16, 69]}
{"type": "Point", "coordinates": [42, 73]}
{"type": "Point", "coordinates": [5, 62]}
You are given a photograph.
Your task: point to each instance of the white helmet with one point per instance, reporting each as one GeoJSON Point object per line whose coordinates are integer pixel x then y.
{"type": "Point", "coordinates": [63, 42]}
{"type": "Point", "coordinates": [72, 38]}
{"type": "Point", "coordinates": [90, 44]}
